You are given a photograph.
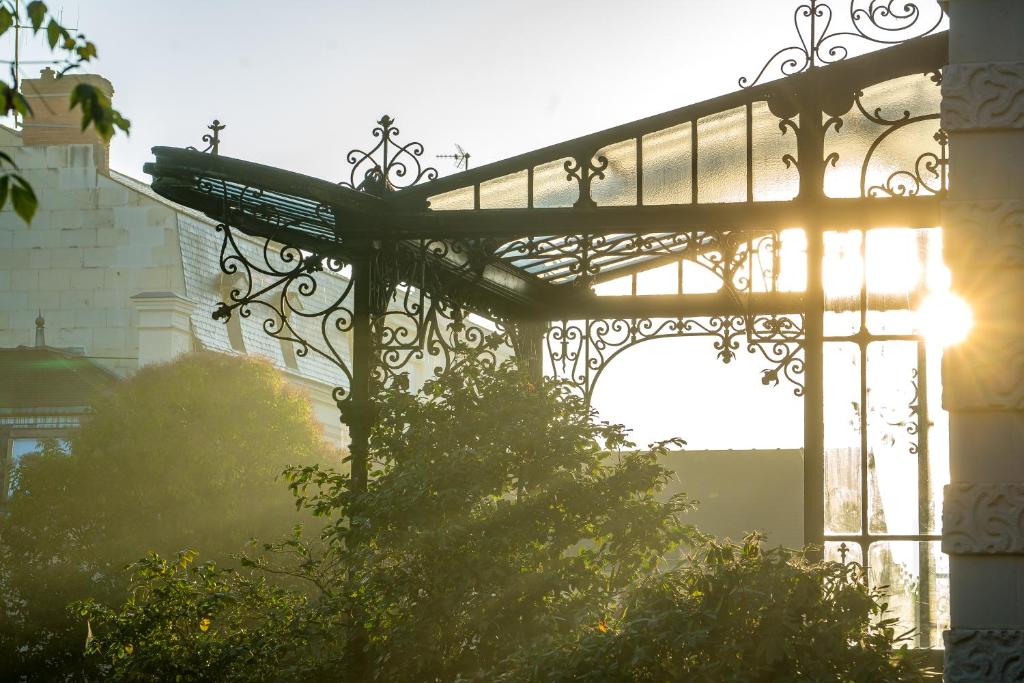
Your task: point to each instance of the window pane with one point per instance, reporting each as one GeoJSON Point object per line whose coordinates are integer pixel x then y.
{"type": "Point", "coordinates": [915, 576]}
{"type": "Point", "coordinates": [460, 199]}
{"type": "Point", "coordinates": [773, 180]}
{"type": "Point", "coordinates": [20, 448]}
{"type": "Point", "coordinates": [668, 166]}
{"type": "Point", "coordinates": [552, 186]}
{"type": "Point", "coordinates": [892, 437]}
{"type": "Point", "coordinates": [506, 192]}
{"type": "Point", "coordinates": [843, 276]}
{"type": "Point", "coordinates": [722, 157]}
{"type": "Point", "coordinates": [839, 551]}
{"type": "Point", "coordinates": [861, 170]}
{"type": "Point", "coordinates": [618, 187]}
{"type": "Point", "coordinates": [842, 438]}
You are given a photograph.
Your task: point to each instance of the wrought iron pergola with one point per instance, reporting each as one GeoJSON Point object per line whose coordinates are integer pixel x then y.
{"type": "Point", "coordinates": [515, 249]}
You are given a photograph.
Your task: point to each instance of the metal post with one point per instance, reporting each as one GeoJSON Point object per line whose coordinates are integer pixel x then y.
{"type": "Point", "coordinates": [529, 348]}
{"type": "Point", "coordinates": [811, 145]}
{"type": "Point", "coordinates": [814, 419]}
{"type": "Point", "coordinates": [358, 411]}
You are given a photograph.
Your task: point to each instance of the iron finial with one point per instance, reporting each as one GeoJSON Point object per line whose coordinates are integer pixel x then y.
{"type": "Point", "coordinates": [40, 330]}
{"type": "Point", "coordinates": [212, 139]}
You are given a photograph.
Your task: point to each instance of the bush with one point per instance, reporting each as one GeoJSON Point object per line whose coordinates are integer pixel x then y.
{"type": "Point", "coordinates": [506, 535]}
{"type": "Point", "coordinates": [182, 455]}
{"type": "Point", "coordinates": [736, 614]}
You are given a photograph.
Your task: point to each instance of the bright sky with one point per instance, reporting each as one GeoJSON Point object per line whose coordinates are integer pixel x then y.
{"type": "Point", "coordinates": [300, 83]}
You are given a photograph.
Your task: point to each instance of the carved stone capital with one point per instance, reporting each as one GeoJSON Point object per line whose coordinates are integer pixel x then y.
{"type": "Point", "coordinates": [984, 233]}
{"type": "Point", "coordinates": [985, 96]}
{"type": "Point", "coordinates": [983, 519]}
{"type": "Point", "coordinates": [983, 656]}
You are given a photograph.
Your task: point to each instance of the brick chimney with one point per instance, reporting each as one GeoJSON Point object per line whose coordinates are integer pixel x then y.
{"type": "Point", "coordinates": [53, 122]}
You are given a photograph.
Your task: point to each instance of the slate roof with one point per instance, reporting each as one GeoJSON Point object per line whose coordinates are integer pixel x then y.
{"type": "Point", "coordinates": [45, 377]}
{"type": "Point", "coordinates": [200, 260]}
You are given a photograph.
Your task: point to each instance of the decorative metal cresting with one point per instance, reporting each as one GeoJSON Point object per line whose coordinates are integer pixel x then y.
{"type": "Point", "coordinates": [389, 165]}
{"type": "Point", "coordinates": [880, 22]}
{"type": "Point", "coordinates": [212, 139]}
{"type": "Point", "coordinates": [929, 173]}
{"type": "Point", "coordinates": [581, 350]}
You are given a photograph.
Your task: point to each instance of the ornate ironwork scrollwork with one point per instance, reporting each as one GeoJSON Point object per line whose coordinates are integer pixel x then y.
{"type": "Point", "coordinates": [580, 351]}
{"type": "Point", "coordinates": [738, 258]}
{"type": "Point", "coordinates": [299, 304]}
{"type": "Point", "coordinates": [884, 22]}
{"type": "Point", "coordinates": [212, 139]}
{"type": "Point", "coordinates": [584, 168]}
{"type": "Point", "coordinates": [389, 165]}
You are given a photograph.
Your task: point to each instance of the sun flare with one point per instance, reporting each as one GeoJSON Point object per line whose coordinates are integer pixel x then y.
{"type": "Point", "coordinates": [944, 318]}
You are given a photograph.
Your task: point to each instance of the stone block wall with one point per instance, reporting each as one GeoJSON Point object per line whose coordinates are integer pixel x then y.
{"type": "Point", "coordinates": [92, 245]}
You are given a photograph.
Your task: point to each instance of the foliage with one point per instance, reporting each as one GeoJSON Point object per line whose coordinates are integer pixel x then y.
{"type": "Point", "coordinates": [738, 614]}
{"type": "Point", "coordinates": [506, 534]}
{"type": "Point", "coordinates": [206, 623]}
{"type": "Point", "coordinates": [182, 455]}
{"type": "Point", "coordinates": [74, 50]}
{"type": "Point", "coordinates": [494, 513]}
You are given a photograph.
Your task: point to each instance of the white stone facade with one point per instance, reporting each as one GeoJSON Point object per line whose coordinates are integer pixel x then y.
{"type": "Point", "coordinates": [124, 275]}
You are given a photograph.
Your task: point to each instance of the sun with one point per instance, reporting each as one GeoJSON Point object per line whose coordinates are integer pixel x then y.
{"type": "Point", "coordinates": [944, 318]}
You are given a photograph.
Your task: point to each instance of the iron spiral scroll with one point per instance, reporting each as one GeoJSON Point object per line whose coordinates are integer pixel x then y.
{"type": "Point", "coordinates": [878, 22]}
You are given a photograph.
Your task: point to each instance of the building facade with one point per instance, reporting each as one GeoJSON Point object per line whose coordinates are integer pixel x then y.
{"type": "Point", "coordinates": [122, 277]}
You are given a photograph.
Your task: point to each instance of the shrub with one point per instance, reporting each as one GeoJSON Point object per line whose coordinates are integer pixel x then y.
{"type": "Point", "coordinates": [182, 455]}
{"type": "Point", "coordinates": [506, 534]}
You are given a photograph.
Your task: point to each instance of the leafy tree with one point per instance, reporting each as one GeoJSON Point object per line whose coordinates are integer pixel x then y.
{"type": "Point", "coordinates": [736, 613]}
{"type": "Point", "coordinates": [182, 455]}
{"type": "Point", "coordinates": [506, 534]}
{"type": "Point", "coordinates": [74, 50]}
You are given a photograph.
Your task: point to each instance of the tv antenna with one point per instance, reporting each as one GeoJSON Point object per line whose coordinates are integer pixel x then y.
{"type": "Point", "coordinates": [461, 157]}
{"type": "Point", "coordinates": [17, 62]}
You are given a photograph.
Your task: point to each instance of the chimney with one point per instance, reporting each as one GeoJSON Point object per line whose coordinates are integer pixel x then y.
{"type": "Point", "coordinates": [53, 122]}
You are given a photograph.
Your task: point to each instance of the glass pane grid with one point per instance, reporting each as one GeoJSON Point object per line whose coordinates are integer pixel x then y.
{"type": "Point", "coordinates": [884, 425]}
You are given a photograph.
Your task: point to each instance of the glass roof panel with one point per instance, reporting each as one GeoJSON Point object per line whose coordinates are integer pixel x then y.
{"type": "Point", "coordinates": [722, 157]}
{"type": "Point", "coordinates": [775, 176]}
{"type": "Point", "coordinates": [553, 186]}
{"type": "Point", "coordinates": [668, 165]}
{"type": "Point", "coordinates": [453, 201]}
{"type": "Point", "coordinates": [617, 187]}
{"type": "Point", "coordinates": [889, 142]}
{"type": "Point", "coordinates": [507, 192]}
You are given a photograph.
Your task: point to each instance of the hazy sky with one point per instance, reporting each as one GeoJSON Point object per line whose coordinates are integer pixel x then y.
{"type": "Point", "coordinates": [300, 83]}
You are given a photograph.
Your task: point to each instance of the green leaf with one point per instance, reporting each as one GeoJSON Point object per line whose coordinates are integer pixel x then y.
{"type": "Point", "coordinates": [6, 20]}
{"type": "Point", "coordinates": [5, 182]}
{"type": "Point", "coordinates": [20, 104]}
{"type": "Point", "coordinates": [53, 32]}
{"type": "Point", "coordinates": [36, 13]}
{"type": "Point", "coordinates": [23, 198]}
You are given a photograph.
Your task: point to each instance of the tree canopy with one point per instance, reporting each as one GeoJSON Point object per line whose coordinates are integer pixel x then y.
{"type": "Point", "coordinates": [185, 455]}
{"type": "Point", "coordinates": [506, 534]}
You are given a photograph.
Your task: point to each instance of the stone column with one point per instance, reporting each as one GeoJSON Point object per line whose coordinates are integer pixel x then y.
{"type": "Point", "coordinates": [983, 512]}
{"type": "Point", "coordinates": [165, 330]}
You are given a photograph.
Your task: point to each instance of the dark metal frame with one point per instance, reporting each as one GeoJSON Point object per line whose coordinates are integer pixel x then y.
{"type": "Point", "coordinates": [413, 272]}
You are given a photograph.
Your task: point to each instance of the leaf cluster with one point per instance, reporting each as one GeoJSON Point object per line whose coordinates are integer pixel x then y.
{"type": "Point", "coordinates": [182, 455]}
{"type": "Point", "coordinates": [739, 613]}
{"type": "Point", "coordinates": [71, 51]}
{"type": "Point", "coordinates": [506, 534]}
